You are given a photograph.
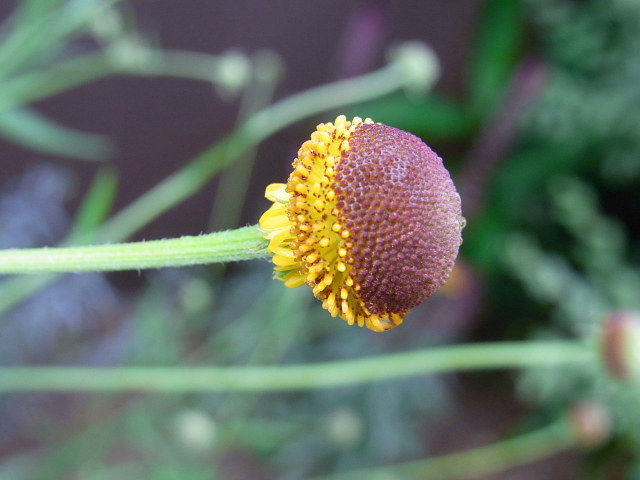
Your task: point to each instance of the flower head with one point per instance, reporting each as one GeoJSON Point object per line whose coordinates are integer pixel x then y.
{"type": "Point", "coordinates": [369, 218]}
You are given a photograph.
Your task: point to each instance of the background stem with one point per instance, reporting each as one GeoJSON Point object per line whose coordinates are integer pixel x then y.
{"type": "Point", "coordinates": [184, 183]}
{"type": "Point", "coordinates": [297, 377]}
{"type": "Point", "coordinates": [480, 461]}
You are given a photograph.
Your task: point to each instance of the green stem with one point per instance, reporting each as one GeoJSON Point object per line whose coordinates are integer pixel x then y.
{"type": "Point", "coordinates": [65, 75]}
{"type": "Point", "coordinates": [233, 184]}
{"type": "Point", "coordinates": [398, 74]}
{"type": "Point", "coordinates": [184, 183]}
{"type": "Point", "coordinates": [36, 36]}
{"type": "Point", "coordinates": [478, 462]}
{"type": "Point", "coordinates": [232, 245]}
{"type": "Point", "coordinates": [297, 377]}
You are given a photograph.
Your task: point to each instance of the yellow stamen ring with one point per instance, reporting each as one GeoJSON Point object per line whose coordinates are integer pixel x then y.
{"type": "Point", "coordinates": [332, 226]}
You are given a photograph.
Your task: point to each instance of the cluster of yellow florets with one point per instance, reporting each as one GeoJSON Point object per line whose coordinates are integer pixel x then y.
{"type": "Point", "coordinates": [357, 219]}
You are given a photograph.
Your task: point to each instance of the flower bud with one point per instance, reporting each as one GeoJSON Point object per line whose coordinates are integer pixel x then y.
{"type": "Point", "coordinates": [621, 344]}
{"type": "Point", "coordinates": [369, 219]}
{"type": "Point", "coordinates": [592, 424]}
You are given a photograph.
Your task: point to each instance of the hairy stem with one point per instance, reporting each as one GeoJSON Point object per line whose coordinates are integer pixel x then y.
{"type": "Point", "coordinates": [241, 244]}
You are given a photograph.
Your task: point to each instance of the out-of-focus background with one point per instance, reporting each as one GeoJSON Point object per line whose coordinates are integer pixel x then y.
{"type": "Point", "coordinates": [536, 114]}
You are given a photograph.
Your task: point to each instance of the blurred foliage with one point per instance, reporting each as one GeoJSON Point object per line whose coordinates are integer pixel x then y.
{"type": "Point", "coordinates": [552, 238]}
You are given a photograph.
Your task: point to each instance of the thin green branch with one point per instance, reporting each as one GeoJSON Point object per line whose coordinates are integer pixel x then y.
{"type": "Point", "coordinates": [233, 245]}
{"type": "Point", "coordinates": [81, 69]}
{"type": "Point", "coordinates": [36, 36]}
{"type": "Point", "coordinates": [234, 180]}
{"type": "Point", "coordinates": [297, 377]}
{"type": "Point", "coordinates": [184, 183]}
{"type": "Point", "coordinates": [477, 462]}
{"type": "Point", "coordinates": [33, 130]}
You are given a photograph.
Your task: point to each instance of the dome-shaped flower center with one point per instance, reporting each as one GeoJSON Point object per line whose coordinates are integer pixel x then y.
{"type": "Point", "coordinates": [369, 218]}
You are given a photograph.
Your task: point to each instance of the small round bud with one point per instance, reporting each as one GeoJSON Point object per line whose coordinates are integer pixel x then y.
{"type": "Point", "coordinates": [369, 219]}
{"type": "Point", "coordinates": [196, 430]}
{"type": "Point", "coordinates": [621, 344]}
{"type": "Point", "coordinates": [419, 65]}
{"type": "Point", "coordinates": [233, 72]}
{"type": "Point", "coordinates": [592, 424]}
{"type": "Point", "coordinates": [344, 428]}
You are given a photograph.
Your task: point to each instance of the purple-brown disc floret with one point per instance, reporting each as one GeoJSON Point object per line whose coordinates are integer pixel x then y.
{"type": "Point", "coordinates": [403, 213]}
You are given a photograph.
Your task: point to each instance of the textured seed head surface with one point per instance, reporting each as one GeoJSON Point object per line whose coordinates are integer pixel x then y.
{"type": "Point", "coordinates": [369, 219]}
{"type": "Point", "coordinates": [403, 213]}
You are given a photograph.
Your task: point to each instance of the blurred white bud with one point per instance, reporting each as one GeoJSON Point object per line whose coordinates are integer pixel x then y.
{"type": "Point", "coordinates": [196, 296]}
{"type": "Point", "coordinates": [196, 430]}
{"type": "Point", "coordinates": [418, 64]}
{"type": "Point", "coordinates": [233, 73]}
{"type": "Point", "coordinates": [131, 52]}
{"type": "Point", "coordinates": [345, 428]}
{"type": "Point", "coordinates": [593, 424]}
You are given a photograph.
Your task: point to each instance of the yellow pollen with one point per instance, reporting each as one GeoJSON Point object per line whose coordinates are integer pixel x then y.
{"type": "Point", "coordinates": [307, 231]}
{"type": "Point", "coordinates": [319, 287]}
{"type": "Point", "coordinates": [317, 268]}
{"type": "Point", "coordinates": [323, 137]}
{"type": "Point", "coordinates": [345, 306]}
{"type": "Point", "coordinates": [349, 317]}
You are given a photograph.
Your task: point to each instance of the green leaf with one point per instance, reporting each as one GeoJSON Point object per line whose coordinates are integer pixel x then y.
{"type": "Point", "coordinates": [43, 29]}
{"type": "Point", "coordinates": [434, 117]}
{"type": "Point", "coordinates": [498, 43]}
{"type": "Point", "coordinates": [484, 240]}
{"type": "Point", "coordinates": [36, 132]}
{"type": "Point", "coordinates": [96, 205]}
